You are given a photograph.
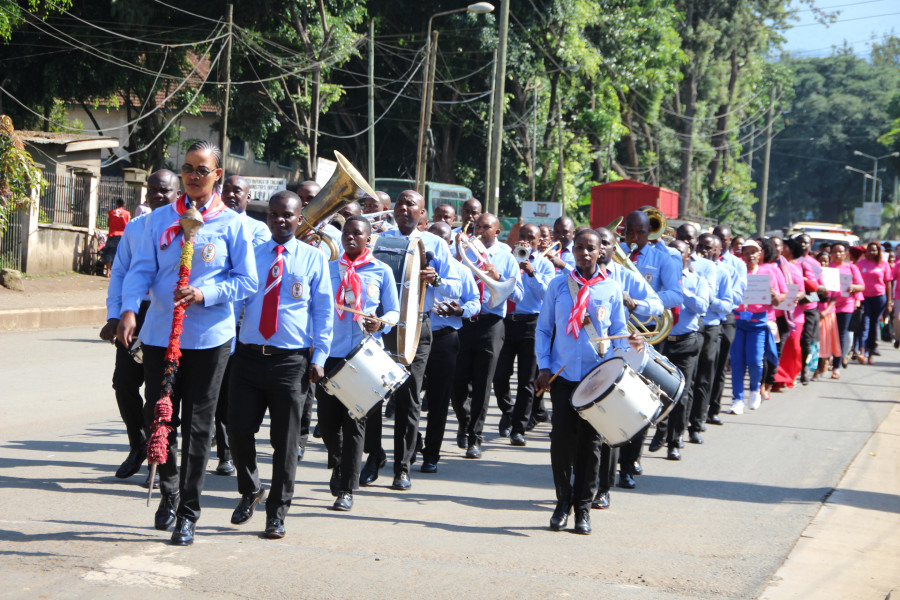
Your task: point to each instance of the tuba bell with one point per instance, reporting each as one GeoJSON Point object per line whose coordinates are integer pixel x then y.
{"type": "Point", "coordinates": [343, 188]}
{"type": "Point", "coordinates": [500, 290]}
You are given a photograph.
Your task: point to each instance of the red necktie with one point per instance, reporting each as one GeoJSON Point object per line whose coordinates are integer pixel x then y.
{"type": "Point", "coordinates": [268, 320]}
{"type": "Point", "coordinates": [634, 255]}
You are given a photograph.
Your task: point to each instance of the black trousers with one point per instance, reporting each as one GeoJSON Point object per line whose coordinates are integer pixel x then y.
{"type": "Point", "coordinates": [518, 345]}
{"type": "Point", "coordinates": [683, 354]}
{"type": "Point", "coordinates": [479, 349]}
{"type": "Point", "coordinates": [407, 406]}
{"type": "Point", "coordinates": [223, 449]}
{"type": "Point", "coordinates": [575, 449]}
{"type": "Point", "coordinates": [809, 334]}
{"type": "Point", "coordinates": [278, 384]}
{"type": "Point", "coordinates": [306, 415]}
{"type": "Point", "coordinates": [199, 379]}
{"type": "Point", "coordinates": [609, 457]}
{"type": "Point", "coordinates": [343, 435]}
{"type": "Point", "coordinates": [726, 337]}
{"type": "Point", "coordinates": [128, 377]}
{"type": "Point", "coordinates": [630, 451]}
{"type": "Point", "coordinates": [706, 370]}
{"type": "Point", "coordinates": [438, 380]}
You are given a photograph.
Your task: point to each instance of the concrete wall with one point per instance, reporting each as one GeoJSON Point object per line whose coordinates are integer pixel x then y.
{"type": "Point", "coordinates": [55, 248]}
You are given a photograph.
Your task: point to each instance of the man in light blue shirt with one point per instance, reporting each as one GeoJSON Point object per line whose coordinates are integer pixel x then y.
{"type": "Point", "coordinates": [518, 344]}
{"type": "Point", "coordinates": [128, 376]}
{"type": "Point", "coordinates": [564, 233]}
{"type": "Point", "coordinates": [284, 341]}
{"type": "Point", "coordinates": [447, 316]}
{"type": "Point", "coordinates": [481, 336]}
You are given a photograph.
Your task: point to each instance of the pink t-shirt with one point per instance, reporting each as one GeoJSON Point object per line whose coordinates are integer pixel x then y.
{"type": "Point", "coordinates": [846, 304]}
{"type": "Point", "coordinates": [875, 276]}
{"type": "Point", "coordinates": [778, 284]}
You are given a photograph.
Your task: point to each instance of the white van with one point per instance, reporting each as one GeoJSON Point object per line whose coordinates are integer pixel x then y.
{"type": "Point", "coordinates": [824, 233]}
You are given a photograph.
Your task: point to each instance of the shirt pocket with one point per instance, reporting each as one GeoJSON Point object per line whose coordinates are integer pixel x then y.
{"type": "Point", "coordinates": [295, 291]}
{"type": "Point", "coordinates": [651, 276]}
{"type": "Point", "coordinates": [210, 252]}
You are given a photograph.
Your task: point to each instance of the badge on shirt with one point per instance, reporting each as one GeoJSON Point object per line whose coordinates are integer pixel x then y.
{"type": "Point", "coordinates": [372, 290]}
{"type": "Point", "coordinates": [276, 271]}
{"type": "Point", "coordinates": [649, 278]}
{"type": "Point", "coordinates": [601, 314]}
{"type": "Point", "coordinates": [297, 290]}
{"type": "Point", "coordinates": [208, 253]}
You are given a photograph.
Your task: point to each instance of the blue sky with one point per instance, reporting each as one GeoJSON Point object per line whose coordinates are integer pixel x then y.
{"type": "Point", "coordinates": [857, 22]}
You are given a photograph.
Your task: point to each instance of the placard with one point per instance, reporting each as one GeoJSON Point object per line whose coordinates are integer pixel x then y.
{"type": "Point", "coordinates": [831, 279]}
{"type": "Point", "coordinates": [759, 289]}
{"type": "Point", "coordinates": [790, 301]}
{"type": "Point", "coordinates": [846, 280]}
{"type": "Point", "coordinates": [541, 213]}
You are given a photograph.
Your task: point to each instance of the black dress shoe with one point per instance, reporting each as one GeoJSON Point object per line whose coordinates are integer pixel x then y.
{"type": "Point", "coordinates": [146, 483]}
{"type": "Point", "coordinates": [626, 481]}
{"type": "Point", "coordinates": [694, 437]}
{"type": "Point", "coordinates": [638, 469]}
{"type": "Point", "coordinates": [183, 534]}
{"type": "Point", "coordinates": [274, 528]}
{"type": "Point", "coordinates": [582, 522]}
{"type": "Point", "coordinates": [132, 462]}
{"type": "Point", "coordinates": [531, 424]}
{"type": "Point", "coordinates": [473, 451]}
{"type": "Point", "coordinates": [335, 483]}
{"type": "Point", "coordinates": [542, 417]}
{"type": "Point", "coordinates": [374, 463]}
{"type": "Point", "coordinates": [245, 507]}
{"type": "Point", "coordinates": [344, 502]}
{"type": "Point", "coordinates": [226, 467]}
{"type": "Point", "coordinates": [517, 439]}
{"type": "Point", "coordinates": [317, 433]}
{"type": "Point", "coordinates": [715, 420]}
{"type": "Point", "coordinates": [401, 482]}
{"type": "Point", "coordinates": [462, 439]}
{"type": "Point", "coordinates": [504, 427]}
{"type": "Point", "coordinates": [389, 410]}
{"type": "Point", "coordinates": [560, 516]}
{"type": "Point", "coordinates": [601, 500]}
{"type": "Point", "coordinates": [428, 467]}
{"type": "Point", "coordinates": [165, 514]}
{"type": "Point", "coordinates": [656, 443]}
{"type": "Point", "coordinates": [673, 453]}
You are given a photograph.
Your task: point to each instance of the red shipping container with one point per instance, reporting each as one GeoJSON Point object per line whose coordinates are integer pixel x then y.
{"type": "Point", "coordinates": [619, 198]}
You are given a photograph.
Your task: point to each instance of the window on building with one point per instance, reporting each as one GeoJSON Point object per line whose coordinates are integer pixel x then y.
{"type": "Point", "coordinates": [237, 147]}
{"type": "Point", "coordinates": [285, 160]}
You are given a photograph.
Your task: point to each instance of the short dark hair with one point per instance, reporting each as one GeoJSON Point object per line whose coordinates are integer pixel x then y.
{"type": "Point", "coordinates": [587, 231]}
{"type": "Point", "coordinates": [367, 225]}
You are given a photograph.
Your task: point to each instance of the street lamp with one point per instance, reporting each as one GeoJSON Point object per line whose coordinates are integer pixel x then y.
{"type": "Point", "coordinates": [865, 177]}
{"type": "Point", "coordinates": [478, 8]}
{"type": "Point", "coordinates": [875, 170]}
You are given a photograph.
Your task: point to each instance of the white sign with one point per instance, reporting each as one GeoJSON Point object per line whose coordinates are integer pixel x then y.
{"type": "Point", "coordinates": [324, 170]}
{"type": "Point", "coordinates": [541, 213]}
{"type": "Point", "coordinates": [869, 216]}
{"type": "Point", "coordinates": [831, 279]}
{"type": "Point", "coordinates": [790, 301]}
{"type": "Point", "coordinates": [846, 281]}
{"type": "Point", "coordinates": [263, 188]}
{"type": "Point", "coordinates": [759, 289]}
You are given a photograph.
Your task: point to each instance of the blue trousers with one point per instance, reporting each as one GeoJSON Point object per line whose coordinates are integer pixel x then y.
{"type": "Point", "coordinates": [747, 354]}
{"type": "Point", "coordinates": [873, 306]}
{"type": "Point", "coordinates": [843, 325]}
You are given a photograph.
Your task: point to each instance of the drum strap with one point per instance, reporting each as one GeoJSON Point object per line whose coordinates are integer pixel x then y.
{"type": "Point", "coordinates": [588, 325]}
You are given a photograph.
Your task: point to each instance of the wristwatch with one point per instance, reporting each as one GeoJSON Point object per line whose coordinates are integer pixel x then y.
{"type": "Point", "coordinates": [437, 281]}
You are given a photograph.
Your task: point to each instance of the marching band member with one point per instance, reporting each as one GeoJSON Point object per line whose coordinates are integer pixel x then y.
{"type": "Point", "coordinates": [283, 345]}
{"type": "Point", "coordinates": [222, 273]}
{"type": "Point", "coordinates": [663, 274]}
{"type": "Point", "coordinates": [564, 233]}
{"type": "Point", "coordinates": [574, 298]}
{"type": "Point", "coordinates": [682, 347]}
{"type": "Point", "coordinates": [366, 284]}
{"type": "Point", "coordinates": [128, 376]}
{"type": "Point", "coordinates": [408, 209]}
{"type": "Point", "coordinates": [481, 336]}
{"type": "Point", "coordinates": [445, 213]}
{"type": "Point", "coordinates": [446, 319]}
{"type": "Point", "coordinates": [518, 343]}
{"type": "Point", "coordinates": [236, 196]}
{"type": "Point", "coordinates": [471, 210]}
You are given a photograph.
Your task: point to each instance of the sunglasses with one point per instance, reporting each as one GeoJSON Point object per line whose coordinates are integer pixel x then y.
{"type": "Point", "coordinates": [201, 170]}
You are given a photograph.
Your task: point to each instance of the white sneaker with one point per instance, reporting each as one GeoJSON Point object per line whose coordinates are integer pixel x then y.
{"type": "Point", "coordinates": [755, 400]}
{"type": "Point", "coordinates": [737, 407]}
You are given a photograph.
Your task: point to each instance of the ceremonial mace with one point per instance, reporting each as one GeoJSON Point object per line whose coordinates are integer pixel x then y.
{"type": "Point", "coordinates": [158, 444]}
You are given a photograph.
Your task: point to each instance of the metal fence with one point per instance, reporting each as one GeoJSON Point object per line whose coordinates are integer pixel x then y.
{"type": "Point", "coordinates": [66, 200]}
{"type": "Point", "coordinates": [11, 242]}
{"type": "Point", "coordinates": [111, 189]}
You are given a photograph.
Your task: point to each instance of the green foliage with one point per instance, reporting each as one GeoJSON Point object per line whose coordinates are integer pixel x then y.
{"type": "Point", "coordinates": [18, 174]}
{"type": "Point", "coordinates": [13, 13]}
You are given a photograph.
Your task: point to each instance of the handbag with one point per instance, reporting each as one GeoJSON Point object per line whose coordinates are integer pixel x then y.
{"type": "Point", "coordinates": [856, 320]}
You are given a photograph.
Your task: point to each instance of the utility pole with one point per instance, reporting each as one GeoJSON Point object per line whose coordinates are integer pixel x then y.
{"type": "Point", "coordinates": [764, 198]}
{"type": "Point", "coordinates": [560, 174]}
{"type": "Point", "coordinates": [223, 134]}
{"type": "Point", "coordinates": [493, 199]}
{"type": "Point", "coordinates": [490, 137]}
{"type": "Point", "coordinates": [372, 103]}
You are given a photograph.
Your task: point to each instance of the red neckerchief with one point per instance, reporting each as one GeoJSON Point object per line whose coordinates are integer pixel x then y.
{"type": "Point", "coordinates": [351, 280]}
{"type": "Point", "coordinates": [579, 304]}
{"type": "Point", "coordinates": [216, 206]}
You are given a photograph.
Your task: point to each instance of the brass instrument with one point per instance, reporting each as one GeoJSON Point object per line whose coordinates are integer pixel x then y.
{"type": "Point", "coordinates": [657, 328]}
{"type": "Point", "coordinates": [659, 228]}
{"type": "Point", "coordinates": [500, 290]}
{"type": "Point", "coordinates": [343, 188]}
{"type": "Point", "coordinates": [521, 253]}
{"type": "Point", "coordinates": [551, 250]}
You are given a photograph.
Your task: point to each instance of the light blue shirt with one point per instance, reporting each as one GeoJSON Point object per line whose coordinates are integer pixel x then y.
{"type": "Point", "coordinates": [659, 268]}
{"type": "Point", "coordinates": [721, 303]}
{"type": "Point", "coordinates": [378, 289]}
{"type": "Point", "coordinates": [566, 255]}
{"type": "Point", "coordinates": [555, 348]}
{"type": "Point", "coordinates": [468, 299]}
{"type": "Point", "coordinates": [739, 276]}
{"type": "Point", "coordinates": [450, 284]}
{"type": "Point", "coordinates": [507, 268]}
{"type": "Point", "coordinates": [305, 300]}
{"type": "Point", "coordinates": [694, 304]}
{"type": "Point", "coordinates": [707, 270]}
{"type": "Point", "coordinates": [131, 238]}
{"type": "Point", "coordinates": [533, 289]}
{"type": "Point", "coordinates": [259, 231]}
{"type": "Point", "coordinates": [222, 269]}
{"type": "Point", "coordinates": [648, 302]}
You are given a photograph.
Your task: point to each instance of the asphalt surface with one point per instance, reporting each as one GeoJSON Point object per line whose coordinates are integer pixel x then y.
{"type": "Point", "coordinates": [718, 524]}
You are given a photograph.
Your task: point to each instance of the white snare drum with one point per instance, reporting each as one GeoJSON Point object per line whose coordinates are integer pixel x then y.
{"type": "Point", "coordinates": [616, 401]}
{"type": "Point", "coordinates": [659, 371]}
{"type": "Point", "coordinates": [367, 376]}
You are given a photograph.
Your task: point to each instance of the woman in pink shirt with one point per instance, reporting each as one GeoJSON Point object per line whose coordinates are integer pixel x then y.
{"type": "Point", "coordinates": [844, 304]}
{"type": "Point", "coordinates": [877, 295]}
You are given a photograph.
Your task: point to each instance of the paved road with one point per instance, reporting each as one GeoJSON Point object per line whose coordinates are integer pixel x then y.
{"type": "Point", "coordinates": [716, 525]}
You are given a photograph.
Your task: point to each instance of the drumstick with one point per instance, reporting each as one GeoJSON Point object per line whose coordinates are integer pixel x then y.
{"type": "Point", "coordinates": [362, 314]}
{"type": "Point", "coordinates": [555, 375]}
{"type": "Point", "coordinates": [620, 337]}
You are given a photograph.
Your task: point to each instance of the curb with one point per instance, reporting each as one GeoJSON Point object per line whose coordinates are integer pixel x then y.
{"type": "Point", "coordinates": [28, 319]}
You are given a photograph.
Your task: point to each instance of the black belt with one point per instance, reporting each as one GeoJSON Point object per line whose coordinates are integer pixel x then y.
{"type": "Point", "coordinates": [678, 338]}
{"type": "Point", "coordinates": [522, 318]}
{"type": "Point", "coordinates": [442, 332]}
{"type": "Point", "coordinates": [272, 350]}
{"type": "Point", "coordinates": [481, 317]}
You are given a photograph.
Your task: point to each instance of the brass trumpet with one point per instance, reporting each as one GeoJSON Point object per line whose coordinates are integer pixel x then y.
{"type": "Point", "coordinates": [551, 250]}
{"type": "Point", "coordinates": [521, 253]}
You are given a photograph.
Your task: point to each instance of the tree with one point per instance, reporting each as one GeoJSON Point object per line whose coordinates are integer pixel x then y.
{"type": "Point", "coordinates": [18, 173]}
